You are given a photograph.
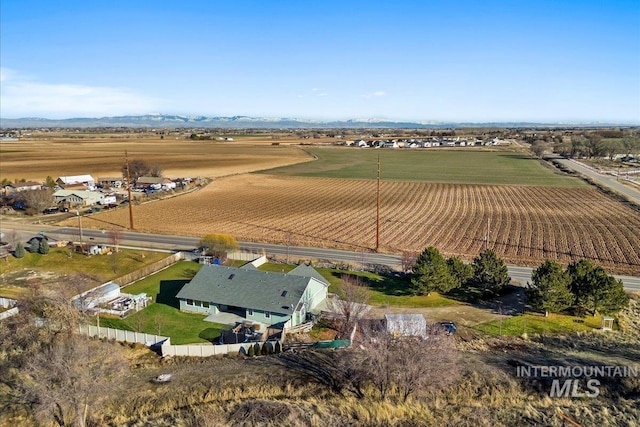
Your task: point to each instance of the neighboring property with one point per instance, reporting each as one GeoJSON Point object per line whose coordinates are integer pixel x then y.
{"type": "Point", "coordinates": [86, 180]}
{"type": "Point", "coordinates": [77, 197]}
{"type": "Point", "coordinates": [414, 325]}
{"type": "Point", "coordinates": [255, 296]}
{"type": "Point", "coordinates": [155, 182]}
{"type": "Point", "coordinates": [21, 186]}
{"type": "Point", "coordinates": [111, 182]}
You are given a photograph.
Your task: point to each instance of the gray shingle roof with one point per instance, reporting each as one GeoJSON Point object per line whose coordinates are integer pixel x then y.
{"type": "Point", "coordinates": [258, 290]}
{"type": "Point", "coordinates": [308, 271]}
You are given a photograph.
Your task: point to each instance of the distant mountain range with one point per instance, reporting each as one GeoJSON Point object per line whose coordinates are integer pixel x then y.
{"type": "Point", "coordinates": [245, 122]}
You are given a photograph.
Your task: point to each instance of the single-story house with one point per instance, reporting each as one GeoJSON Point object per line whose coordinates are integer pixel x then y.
{"type": "Point", "coordinates": [111, 182]}
{"type": "Point", "coordinates": [256, 296]}
{"type": "Point", "coordinates": [21, 186]}
{"type": "Point", "coordinates": [414, 325]}
{"type": "Point", "coordinates": [156, 182]}
{"type": "Point", "coordinates": [86, 180]}
{"type": "Point", "coordinates": [77, 197]}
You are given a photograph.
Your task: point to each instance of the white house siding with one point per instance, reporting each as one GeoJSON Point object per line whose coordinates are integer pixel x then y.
{"type": "Point", "coordinates": [315, 293]}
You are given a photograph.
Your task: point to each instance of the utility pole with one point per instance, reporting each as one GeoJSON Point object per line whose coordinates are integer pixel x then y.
{"type": "Point", "coordinates": [80, 228]}
{"type": "Point", "coordinates": [378, 208]}
{"type": "Point", "coordinates": [126, 160]}
{"type": "Point", "coordinates": [486, 238]}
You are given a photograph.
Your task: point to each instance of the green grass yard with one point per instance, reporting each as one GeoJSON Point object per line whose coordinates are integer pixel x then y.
{"type": "Point", "coordinates": [537, 324]}
{"type": "Point", "coordinates": [470, 166]}
{"type": "Point", "coordinates": [163, 316]}
{"type": "Point", "coordinates": [384, 290]}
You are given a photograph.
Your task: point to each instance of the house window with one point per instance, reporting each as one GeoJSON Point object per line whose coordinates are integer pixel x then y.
{"type": "Point", "coordinates": [205, 304]}
{"type": "Point", "coordinates": [267, 315]}
{"type": "Point", "coordinates": [190, 302]}
{"type": "Point", "coordinates": [249, 311]}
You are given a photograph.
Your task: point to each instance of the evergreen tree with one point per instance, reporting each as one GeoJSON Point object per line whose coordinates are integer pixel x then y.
{"type": "Point", "coordinates": [43, 247]}
{"type": "Point", "coordinates": [549, 290]}
{"type": "Point", "coordinates": [431, 273]}
{"type": "Point", "coordinates": [277, 348]}
{"type": "Point", "coordinates": [34, 245]}
{"type": "Point", "coordinates": [594, 290]}
{"type": "Point", "coordinates": [459, 270]}
{"type": "Point", "coordinates": [251, 352]}
{"type": "Point", "coordinates": [19, 252]}
{"type": "Point", "coordinates": [490, 274]}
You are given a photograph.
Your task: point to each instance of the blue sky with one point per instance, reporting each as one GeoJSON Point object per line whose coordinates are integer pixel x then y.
{"type": "Point", "coordinates": [551, 61]}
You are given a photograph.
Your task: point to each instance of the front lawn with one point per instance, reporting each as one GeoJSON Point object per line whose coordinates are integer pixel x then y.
{"type": "Point", "coordinates": [17, 273]}
{"type": "Point", "coordinates": [537, 324]}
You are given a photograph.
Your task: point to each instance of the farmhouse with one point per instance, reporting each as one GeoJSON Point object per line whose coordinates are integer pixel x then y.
{"type": "Point", "coordinates": [255, 296]}
{"type": "Point", "coordinates": [86, 180]}
{"type": "Point", "coordinates": [21, 186]}
{"type": "Point", "coordinates": [155, 182]}
{"type": "Point", "coordinates": [77, 197]}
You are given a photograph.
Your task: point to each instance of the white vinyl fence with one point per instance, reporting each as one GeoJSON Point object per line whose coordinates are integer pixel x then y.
{"type": "Point", "coordinates": [121, 335]}
{"type": "Point", "coordinates": [166, 348]}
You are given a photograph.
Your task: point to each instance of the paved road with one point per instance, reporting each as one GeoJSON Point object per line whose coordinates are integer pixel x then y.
{"type": "Point", "coordinates": [605, 180]}
{"type": "Point", "coordinates": [520, 275]}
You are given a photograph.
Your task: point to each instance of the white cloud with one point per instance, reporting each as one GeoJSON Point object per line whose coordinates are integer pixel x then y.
{"type": "Point", "coordinates": [375, 94]}
{"type": "Point", "coordinates": [26, 98]}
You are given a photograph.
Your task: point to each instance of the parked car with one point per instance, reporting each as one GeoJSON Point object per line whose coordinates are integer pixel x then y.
{"type": "Point", "coordinates": [448, 327]}
{"type": "Point", "coordinates": [50, 210]}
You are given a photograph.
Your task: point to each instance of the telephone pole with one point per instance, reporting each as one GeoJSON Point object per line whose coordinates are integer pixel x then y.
{"type": "Point", "coordinates": [378, 208]}
{"type": "Point", "coordinates": [126, 160]}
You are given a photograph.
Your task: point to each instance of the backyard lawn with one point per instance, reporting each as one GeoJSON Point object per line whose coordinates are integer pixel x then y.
{"type": "Point", "coordinates": [384, 290]}
{"type": "Point", "coordinates": [163, 316]}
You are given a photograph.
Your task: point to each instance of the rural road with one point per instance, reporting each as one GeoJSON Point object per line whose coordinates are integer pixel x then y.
{"type": "Point", "coordinates": [158, 241]}
{"type": "Point", "coordinates": [605, 180]}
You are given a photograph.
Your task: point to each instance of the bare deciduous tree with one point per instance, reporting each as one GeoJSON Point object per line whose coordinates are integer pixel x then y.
{"type": "Point", "coordinates": [352, 304]}
{"type": "Point", "coordinates": [406, 364]}
{"type": "Point", "coordinates": [115, 237]}
{"type": "Point", "coordinates": [38, 199]}
{"type": "Point", "coordinates": [408, 260]}
{"type": "Point", "coordinates": [538, 148]}
{"type": "Point", "coordinates": [49, 370]}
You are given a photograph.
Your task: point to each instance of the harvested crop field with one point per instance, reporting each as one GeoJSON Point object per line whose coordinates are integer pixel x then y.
{"type": "Point", "coordinates": [527, 223]}
{"type": "Point", "coordinates": [37, 159]}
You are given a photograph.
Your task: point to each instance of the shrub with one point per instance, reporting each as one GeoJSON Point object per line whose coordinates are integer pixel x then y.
{"type": "Point", "coordinates": [251, 352]}
{"type": "Point", "coordinates": [34, 246]}
{"type": "Point", "coordinates": [18, 252]}
{"type": "Point", "coordinates": [43, 247]}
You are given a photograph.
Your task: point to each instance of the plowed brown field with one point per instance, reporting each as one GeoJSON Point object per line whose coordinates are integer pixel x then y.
{"type": "Point", "coordinates": [527, 224]}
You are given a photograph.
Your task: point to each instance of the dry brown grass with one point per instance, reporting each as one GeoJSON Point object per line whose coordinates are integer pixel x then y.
{"type": "Point", "coordinates": [528, 224]}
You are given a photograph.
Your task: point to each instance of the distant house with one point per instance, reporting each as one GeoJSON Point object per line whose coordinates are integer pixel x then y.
{"type": "Point", "coordinates": [414, 325]}
{"type": "Point", "coordinates": [77, 197]}
{"type": "Point", "coordinates": [255, 296]}
{"type": "Point", "coordinates": [156, 182]}
{"type": "Point", "coordinates": [86, 180]}
{"type": "Point", "coordinates": [21, 186]}
{"type": "Point", "coordinates": [110, 182]}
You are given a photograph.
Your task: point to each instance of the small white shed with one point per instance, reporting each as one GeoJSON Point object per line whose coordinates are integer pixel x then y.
{"type": "Point", "coordinates": [414, 325]}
